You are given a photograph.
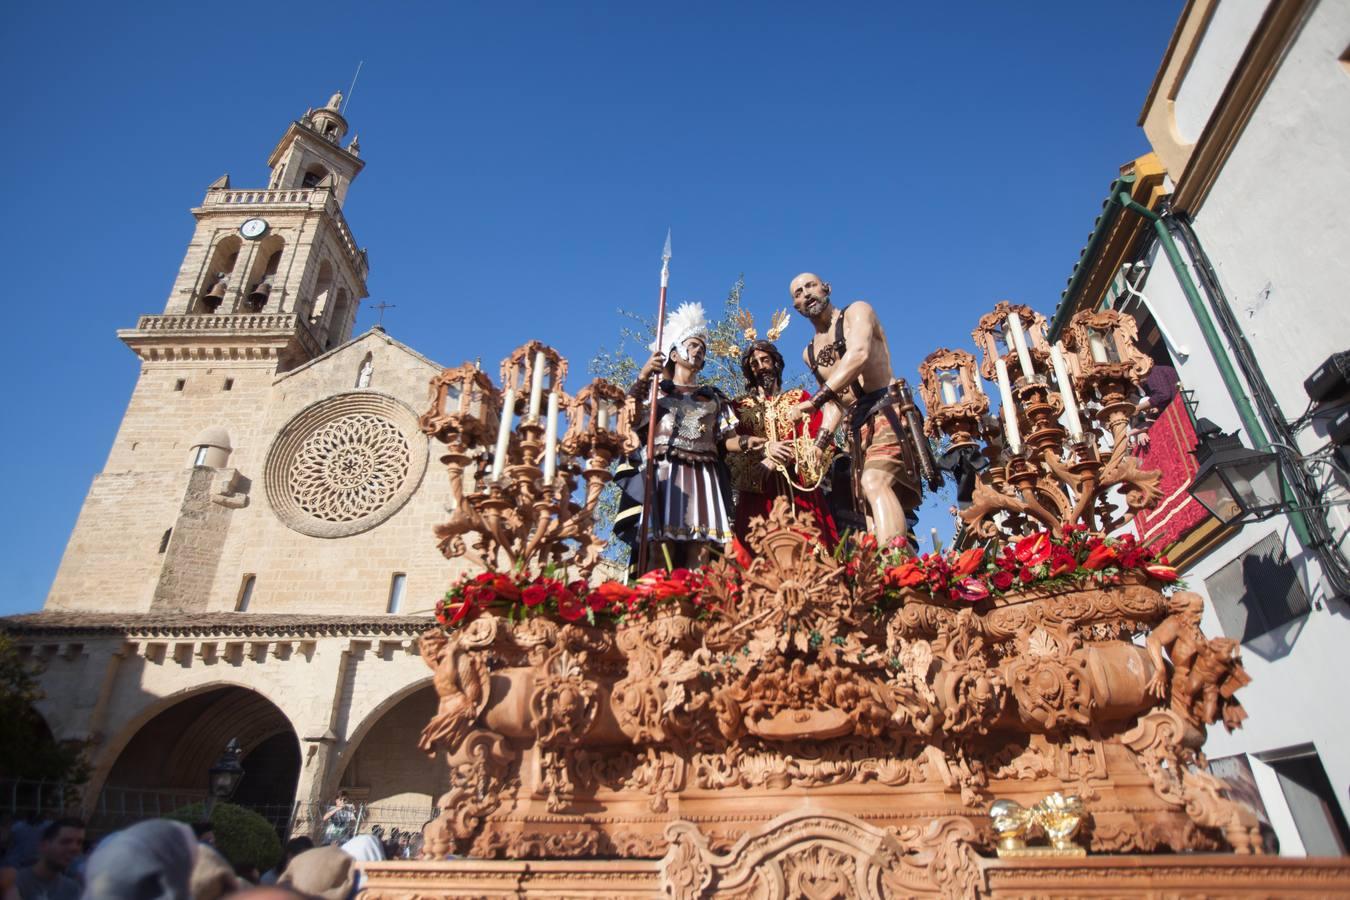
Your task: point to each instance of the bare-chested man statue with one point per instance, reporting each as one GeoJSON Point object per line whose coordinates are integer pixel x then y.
{"type": "Point", "coordinates": [851, 362]}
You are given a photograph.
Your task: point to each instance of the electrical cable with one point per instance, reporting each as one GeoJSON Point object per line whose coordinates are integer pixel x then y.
{"type": "Point", "coordinates": [1323, 544]}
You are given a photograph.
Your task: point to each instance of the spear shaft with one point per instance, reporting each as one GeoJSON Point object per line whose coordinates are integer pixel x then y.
{"type": "Point", "coordinates": [649, 482]}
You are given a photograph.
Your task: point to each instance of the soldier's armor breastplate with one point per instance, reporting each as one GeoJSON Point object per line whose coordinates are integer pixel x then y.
{"type": "Point", "coordinates": [687, 426]}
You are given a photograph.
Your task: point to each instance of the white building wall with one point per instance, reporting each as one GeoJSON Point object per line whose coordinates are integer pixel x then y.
{"type": "Point", "coordinates": [1274, 228]}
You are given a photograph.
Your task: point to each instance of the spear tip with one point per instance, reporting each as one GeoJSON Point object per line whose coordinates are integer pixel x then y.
{"type": "Point", "coordinates": [665, 253]}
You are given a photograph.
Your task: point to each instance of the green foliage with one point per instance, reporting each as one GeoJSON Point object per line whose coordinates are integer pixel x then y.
{"type": "Point", "coordinates": [27, 748]}
{"type": "Point", "coordinates": [243, 837]}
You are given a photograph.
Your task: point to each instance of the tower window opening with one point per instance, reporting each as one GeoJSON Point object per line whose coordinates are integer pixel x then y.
{"type": "Point", "coordinates": [396, 586]}
{"type": "Point", "coordinates": [164, 539]}
{"type": "Point", "coordinates": [200, 458]}
{"type": "Point", "coordinates": [245, 593]}
{"type": "Point", "coordinates": [180, 384]}
{"type": "Point", "coordinates": [313, 176]}
{"type": "Point", "coordinates": [228, 385]}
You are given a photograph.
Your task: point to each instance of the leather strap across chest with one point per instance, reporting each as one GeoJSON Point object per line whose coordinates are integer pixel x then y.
{"type": "Point", "coordinates": [833, 352]}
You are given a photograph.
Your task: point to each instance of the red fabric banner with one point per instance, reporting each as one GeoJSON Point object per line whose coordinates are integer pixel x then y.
{"type": "Point", "coordinates": [1171, 440]}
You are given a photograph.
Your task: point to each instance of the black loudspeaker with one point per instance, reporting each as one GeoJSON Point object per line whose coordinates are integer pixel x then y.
{"type": "Point", "coordinates": [1331, 380]}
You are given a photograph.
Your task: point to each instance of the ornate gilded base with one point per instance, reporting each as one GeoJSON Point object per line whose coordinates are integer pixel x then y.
{"type": "Point", "coordinates": [808, 854]}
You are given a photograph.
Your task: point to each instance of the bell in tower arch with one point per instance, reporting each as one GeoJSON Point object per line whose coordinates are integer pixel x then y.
{"type": "Point", "coordinates": [257, 298]}
{"type": "Point", "coordinates": [216, 294]}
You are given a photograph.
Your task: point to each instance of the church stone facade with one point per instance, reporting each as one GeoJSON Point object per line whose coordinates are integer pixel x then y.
{"type": "Point", "coordinates": [256, 558]}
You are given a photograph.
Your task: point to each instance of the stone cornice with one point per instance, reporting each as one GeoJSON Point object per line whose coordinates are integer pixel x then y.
{"type": "Point", "coordinates": [68, 624]}
{"type": "Point", "coordinates": [260, 336]}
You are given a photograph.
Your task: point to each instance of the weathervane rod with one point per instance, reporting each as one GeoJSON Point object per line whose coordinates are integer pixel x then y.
{"type": "Point", "coordinates": [649, 480]}
{"type": "Point", "coordinates": [351, 90]}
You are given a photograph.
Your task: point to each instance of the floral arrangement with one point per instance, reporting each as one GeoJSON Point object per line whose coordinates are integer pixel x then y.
{"type": "Point", "coordinates": [1038, 561]}
{"type": "Point", "coordinates": [521, 595]}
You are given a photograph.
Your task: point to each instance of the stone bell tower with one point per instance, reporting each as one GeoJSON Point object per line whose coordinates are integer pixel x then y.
{"type": "Point", "coordinates": [274, 272]}
{"type": "Point", "coordinates": [270, 281]}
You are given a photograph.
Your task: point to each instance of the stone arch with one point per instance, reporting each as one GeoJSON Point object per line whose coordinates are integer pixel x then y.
{"type": "Point", "coordinates": [323, 293]}
{"type": "Point", "coordinates": [382, 768]}
{"type": "Point", "coordinates": [118, 744]}
{"type": "Point", "coordinates": [338, 327]}
{"type": "Point", "coordinates": [266, 263]}
{"type": "Point", "coordinates": [314, 174]}
{"type": "Point", "coordinates": [224, 260]}
{"type": "Point", "coordinates": [358, 734]}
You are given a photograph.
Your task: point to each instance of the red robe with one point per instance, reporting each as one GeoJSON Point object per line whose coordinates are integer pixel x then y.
{"type": "Point", "coordinates": [757, 487]}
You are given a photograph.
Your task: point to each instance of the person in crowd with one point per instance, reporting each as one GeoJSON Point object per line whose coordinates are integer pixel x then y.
{"type": "Point", "coordinates": [1160, 388]}
{"type": "Point", "coordinates": [205, 832]}
{"type": "Point", "coordinates": [59, 845]}
{"type": "Point", "coordinates": [294, 847]}
{"type": "Point", "coordinates": [212, 875]}
{"type": "Point", "coordinates": [24, 837]}
{"type": "Point", "coordinates": [339, 823]}
{"type": "Point", "coordinates": [9, 887]}
{"type": "Point", "coordinates": [151, 860]}
{"type": "Point", "coordinates": [327, 873]}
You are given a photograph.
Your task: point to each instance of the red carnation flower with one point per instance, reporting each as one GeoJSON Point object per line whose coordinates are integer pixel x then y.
{"type": "Point", "coordinates": [614, 593]}
{"type": "Point", "coordinates": [1099, 557]}
{"type": "Point", "coordinates": [908, 574]}
{"type": "Point", "coordinates": [1002, 580]}
{"type": "Point", "coordinates": [1062, 563]}
{"type": "Point", "coordinates": [505, 588]}
{"type": "Point", "coordinates": [534, 595]}
{"type": "Point", "coordinates": [968, 562]}
{"type": "Point", "coordinates": [569, 607]}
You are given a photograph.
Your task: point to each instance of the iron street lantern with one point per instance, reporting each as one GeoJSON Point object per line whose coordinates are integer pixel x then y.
{"type": "Point", "coordinates": [225, 775]}
{"type": "Point", "coordinates": [1234, 483]}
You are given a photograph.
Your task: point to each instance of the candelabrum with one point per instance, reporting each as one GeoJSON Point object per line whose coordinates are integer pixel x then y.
{"type": "Point", "coordinates": [1046, 469]}
{"type": "Point", "coordinates": [512, 489]}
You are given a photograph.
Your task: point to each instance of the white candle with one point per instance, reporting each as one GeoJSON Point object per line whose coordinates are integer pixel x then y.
{"type": "Point", "coordinates": [937, 541]}
{"type": "Point", "coordinates": [602, 415]}
{"type": "Point", "coordinates": [503, 434]}
{"type": "Point", "coordinates": [1020, 345]}
{"type": "Point", "coordinates": [1097, 346]}
{"type": "Point", "coordinates": [1066, 391]}
{"type": "Point", "coordinates": [551, 440]}
{"type": "Point", "coordinates": [537, 385]}
{"type": "Point", "coordinates": [947, 381]}
{"type": "Point", "coordinates": [1010, 429]}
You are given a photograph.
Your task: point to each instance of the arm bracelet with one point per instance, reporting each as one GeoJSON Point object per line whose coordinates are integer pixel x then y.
{"type": "Point", "coordinates": [824, 439]}
{"type": "Point", "coordinates": [825, 395]}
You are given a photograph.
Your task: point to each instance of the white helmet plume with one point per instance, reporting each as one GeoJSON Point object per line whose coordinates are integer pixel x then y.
{"type": "Point", "coordinates": [689, 321]}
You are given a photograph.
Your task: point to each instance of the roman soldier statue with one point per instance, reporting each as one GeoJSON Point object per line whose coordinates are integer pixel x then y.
{"type": "Point", "coordinates": [695, 427]}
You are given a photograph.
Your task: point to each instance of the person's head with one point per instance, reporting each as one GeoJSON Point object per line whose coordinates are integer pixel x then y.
{"type": "Point", "coordinates": [294, 847]}
{"type": "Point", "coordinates": [762, 366]}
{"type": "Point", "coordinates": [148, 861]}
{"type": "Point", "coordinates": [62, 842]}
{"type": "Point", "coordinates": [343, 799]}
{"type": "Point", "coordinates": [810, 294]}
{"type": "Point", "coordinates": [324, 872]}
{"type": "Point", "coordinates": [693, 353]}
{"type": "Point", "coordinates": [205, 832]}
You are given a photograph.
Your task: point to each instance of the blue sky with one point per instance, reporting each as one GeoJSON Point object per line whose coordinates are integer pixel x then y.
{"type": "Point", "coordinates": [523, 163]}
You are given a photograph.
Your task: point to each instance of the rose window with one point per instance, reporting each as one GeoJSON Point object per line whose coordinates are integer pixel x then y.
{"type": "Point", "coordinates": [349, 468]}
{"type": "Point", "coordinates": [345, 464]}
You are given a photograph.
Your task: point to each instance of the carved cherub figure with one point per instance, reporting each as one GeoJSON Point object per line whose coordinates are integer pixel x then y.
{"type": "Point", "coordinates": [460, 678]}
{"type": "Point", "coordinates": [1206, 672]}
